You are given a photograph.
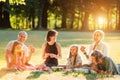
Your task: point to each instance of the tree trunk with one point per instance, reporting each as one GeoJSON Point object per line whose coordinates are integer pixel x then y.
{"type": "Point", "coordinates": [1, 9]}
{"type": "Point", "coordinates": [64, 17]}
{"type": "Point", "coordinates": [72, 20]}
{"type": "Point", "coordinates": [42, 17]}
{"type": "Point", "coordinates": [45, 15]}
{"type": "Point", "coordinates": [118, 24]}
{"type": "Point", "coordinates": [85, 22]}
{"type": "Point", "coordinates": [6, 19]}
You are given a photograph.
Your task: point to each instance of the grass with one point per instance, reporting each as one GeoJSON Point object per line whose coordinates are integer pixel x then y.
{"type": "Point", "coordinates": [65, 38]}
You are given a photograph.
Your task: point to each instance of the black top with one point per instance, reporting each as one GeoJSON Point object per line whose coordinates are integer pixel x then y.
{"type": "Point", "coordinates": [52, 49]}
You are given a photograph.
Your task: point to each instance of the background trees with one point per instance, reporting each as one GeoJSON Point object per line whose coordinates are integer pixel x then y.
{"type": "Point", "coordinates": [84, 15]}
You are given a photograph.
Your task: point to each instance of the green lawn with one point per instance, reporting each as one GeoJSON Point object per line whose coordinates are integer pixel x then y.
{"type": "Point", "coordinates": [65, 38]}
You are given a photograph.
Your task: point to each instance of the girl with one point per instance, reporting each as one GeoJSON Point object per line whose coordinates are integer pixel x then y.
{"type": "Point", "coordinates": [17, 59]}
{"type": "Point", "coordinates": [74, 59]}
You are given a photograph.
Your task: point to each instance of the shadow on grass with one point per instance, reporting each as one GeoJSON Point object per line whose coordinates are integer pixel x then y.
{"type": "Point", "coordinates": [35, 74]}
{"type": "Point", "coordinates": [4, 71]}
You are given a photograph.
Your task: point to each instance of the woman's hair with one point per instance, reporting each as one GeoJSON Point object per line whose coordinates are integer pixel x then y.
{"type": "Point", "coordinates": [50, 34]}
{"type": "Point", "coordinates": [14, 45]}
{"type": "Point", "coordinates": [99, 31]}
{"type": "Point", "coordinates": [97, 54]}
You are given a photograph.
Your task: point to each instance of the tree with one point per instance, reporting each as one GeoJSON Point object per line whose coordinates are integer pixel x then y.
{"type": "Point", "coordinates": [6, 15]}
{"type": "Point", "coordinates": [42, 16]}
{"type": "Point", "coordinates": [1, 9]}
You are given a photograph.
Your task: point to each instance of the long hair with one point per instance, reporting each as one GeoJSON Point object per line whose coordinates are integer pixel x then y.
{"type": "Point", "coordinates": [76, 46]}
{"type": "Point", "coordinates": [13, 47]}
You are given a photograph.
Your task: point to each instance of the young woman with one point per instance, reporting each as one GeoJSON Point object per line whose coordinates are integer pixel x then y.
{"type": "Point", "coordinates": [74, 59]}
{"type": "Point", "coordinates": [104, 64]}
{"type": "Point", "coordinates": [51, 50]}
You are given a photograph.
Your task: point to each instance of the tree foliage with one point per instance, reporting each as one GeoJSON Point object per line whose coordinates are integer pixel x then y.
{"type": "Point", "coordinates": [81, 15]}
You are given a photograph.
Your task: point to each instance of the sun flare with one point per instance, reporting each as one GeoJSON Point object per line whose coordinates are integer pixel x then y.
{"type": "Point", "coordinates": [101, 20]}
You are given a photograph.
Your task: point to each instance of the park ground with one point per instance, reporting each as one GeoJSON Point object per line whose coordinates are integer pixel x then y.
{"type": "Point", "coordinates": [65, 38]}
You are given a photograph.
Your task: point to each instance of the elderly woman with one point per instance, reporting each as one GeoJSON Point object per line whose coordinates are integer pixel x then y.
{"type": "Point", "coordinates": [98, 44]}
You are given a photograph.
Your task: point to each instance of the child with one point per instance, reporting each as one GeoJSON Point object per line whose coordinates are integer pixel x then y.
{"type": "Point", "coordinates": [17, 59]}
{"type": "Point", "coordinates": [74, 59]}
{"type": "Point", "coordinates": [104, 64]}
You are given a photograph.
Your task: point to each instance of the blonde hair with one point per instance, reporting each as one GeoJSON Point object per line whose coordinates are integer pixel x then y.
{"type": "Point", "coordinates": [99, 31]}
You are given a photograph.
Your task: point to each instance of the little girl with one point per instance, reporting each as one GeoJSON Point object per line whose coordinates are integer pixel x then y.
{"type": "Point", "coordinates": [74, 59]}
{"type": "Point", "coordinates": [17, 59]}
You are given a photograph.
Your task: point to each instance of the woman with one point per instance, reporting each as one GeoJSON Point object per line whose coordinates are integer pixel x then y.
{"type": "Point", "coordinates": [51, 49]}
{"type": "Point", "coordinates": [97, 45]}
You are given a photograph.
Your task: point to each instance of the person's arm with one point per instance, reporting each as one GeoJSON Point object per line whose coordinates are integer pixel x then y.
{"type": "Point", "coordinates": [44, 55]}
{"type": "Point", "coordinates": [78, 62]}
{"type": "Point", "coordinates": [82, 48]}
{"type": "Point", "coordinates": [78, 65]}
{"type": "Point", "coordinates": [8, 52]}
{"type": "Point", "coordinates": [59, 56]}
{"type": "Point", "coordinates": [7, 55]}
{"type": "Point", "coordinates": [32, 50]}
{"type": "Point", "coordinates": [23, 57]}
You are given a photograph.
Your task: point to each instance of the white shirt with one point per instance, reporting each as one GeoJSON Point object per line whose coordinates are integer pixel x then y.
{"type": "Point", "coordinates": [101, 47]}
{"type": "Point", "coordinates": [10, 45]}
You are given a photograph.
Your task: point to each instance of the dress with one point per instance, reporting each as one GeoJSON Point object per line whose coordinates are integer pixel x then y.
{"type": "Point", "coordinates": [51, 49]}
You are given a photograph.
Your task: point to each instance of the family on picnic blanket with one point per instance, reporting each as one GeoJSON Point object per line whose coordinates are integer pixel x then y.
{"type": "Point", "coordinates": [18, 54]}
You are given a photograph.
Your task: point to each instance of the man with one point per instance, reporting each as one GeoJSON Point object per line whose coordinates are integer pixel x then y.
{"type": "Point", "coordinates": [22, 37]}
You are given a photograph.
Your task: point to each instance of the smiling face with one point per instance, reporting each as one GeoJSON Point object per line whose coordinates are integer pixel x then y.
{"type": "Point", "coordinates": [73, 51]}
{"type": "Point", "coordinates": [18, 48]}
{"type": "Point", "coordinates": [97, 36]}
{"type": "Point", "coordinates": [53, 38]}
{"type": "Point", "coordinates": [22, 38]}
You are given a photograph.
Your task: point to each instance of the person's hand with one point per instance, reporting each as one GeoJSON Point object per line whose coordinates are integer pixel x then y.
{"type": "Point", "coordinates": [47, 55]}
{"type": "Point", "coordinates": [82, 48]}
{"type": "Point", "coordinates": [32, 49]}
{"type": "Point", "coordinates": [53, 55]}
